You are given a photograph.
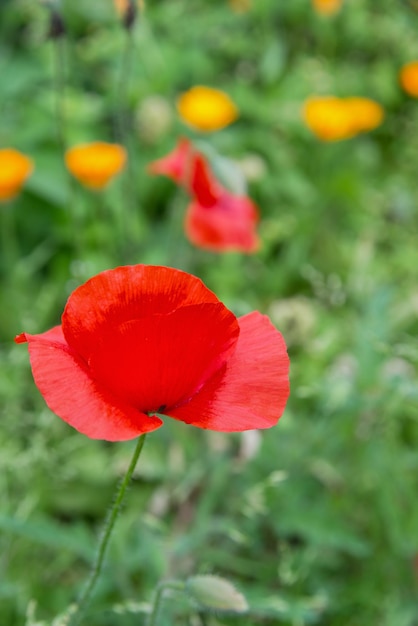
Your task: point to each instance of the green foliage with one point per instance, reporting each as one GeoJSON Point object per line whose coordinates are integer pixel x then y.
{"type": "Point", "coordinates": [315, 521]}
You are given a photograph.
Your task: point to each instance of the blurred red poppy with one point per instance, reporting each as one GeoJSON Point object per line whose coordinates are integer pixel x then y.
{"type": "Point", "coordinates": [176, 164]}
{"type": "Point", "coordinates": [216, 219]}
{"type": "Point", "coordinates": [141, 340]}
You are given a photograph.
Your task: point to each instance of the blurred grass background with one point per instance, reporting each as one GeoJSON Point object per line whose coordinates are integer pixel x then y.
{"type": "Point", "coordinates": [316, 520]}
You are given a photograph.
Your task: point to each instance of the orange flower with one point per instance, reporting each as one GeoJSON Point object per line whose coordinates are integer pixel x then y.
{"type": "Point", "coordinates": [332, 119]}
{"type": "Point", "coordinates": [408, 77]}
{"type": "Point", "coordinates": [328, 118]}
{"type": "Point", "coordinates": [95, 164]}
{"type": "Point", "coordinates": [206, 109]}
{"type": "Point", "coordinates": [15, 168]}
{"type": "Point", "coordinates": [365, 114]}
{"type": "Point", "coordinates": [327, 7]}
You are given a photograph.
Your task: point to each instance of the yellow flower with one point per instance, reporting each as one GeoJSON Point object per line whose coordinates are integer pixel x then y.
{"type": "Point", "coordinates": [332, 119]}
{"type": "Point", "coordinates": [15, 168]}
{"type": "Point", "coordinates": [366, 114]}
{"type": "Point", "coordinates": [408, 77]}
{"type": "Point", "coordinates": [95, 164]}
{"type": "Point", "coordinates": [327, 7]}
{"type": "Point", "coordinates": [206, 109]}
{"type": "Point", "coordinates": [328, 118]}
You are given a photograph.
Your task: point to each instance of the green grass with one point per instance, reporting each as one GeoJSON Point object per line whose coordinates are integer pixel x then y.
{"type": "Point", "coordinates": [319, 524]}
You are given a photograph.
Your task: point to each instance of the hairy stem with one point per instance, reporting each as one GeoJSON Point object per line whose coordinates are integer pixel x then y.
{"type": "Point", "coordinates": [86, 594]}
{"type": "Point", "coordinates": [176, 585]}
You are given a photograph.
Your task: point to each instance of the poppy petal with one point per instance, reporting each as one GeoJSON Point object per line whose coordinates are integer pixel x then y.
{"type": "Point", "coordinates": [71, 393]}
{"type": "Point", "coordinates": [161, 361]}
{"type": "Point", "coordinates": [252, 390]}
{"type": "Point", "coordinates": [53, 334]}
{"type": "Point", "coordinates": [174, 165]}
{"type": "Point", "coordinates": [202, 184]}
{"type": "Point", "coordinates": [228, 225]}
{"type": "Point", "coordinates": [123, 294]}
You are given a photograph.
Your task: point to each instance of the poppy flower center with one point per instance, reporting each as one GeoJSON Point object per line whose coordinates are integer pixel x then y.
{"type": "Point", "coordinates": [160, 361]}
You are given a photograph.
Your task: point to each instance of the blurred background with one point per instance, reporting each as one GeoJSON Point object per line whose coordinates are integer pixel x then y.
{"type": "Point", "coordinates": [315, 520]}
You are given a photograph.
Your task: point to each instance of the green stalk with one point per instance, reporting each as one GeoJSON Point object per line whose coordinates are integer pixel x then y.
{"type": "Point", "coordinates": [59, 87]}
{"type": "Point", "coordinates": [126, 219]}
{"type": "Point", "coordinates": [86, 594]}
{"type": "Point", "coordinates": [176, 585]}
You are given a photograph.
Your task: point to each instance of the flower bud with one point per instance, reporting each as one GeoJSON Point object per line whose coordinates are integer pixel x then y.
{"type": "Point", "coordinates": [129, 11]}
{"type": "Point", "coordinates": [214, 593]}
{"type": "Point", "coordinates": [130, 16]}
{"type": "Point", "coordinates": [56, 25]}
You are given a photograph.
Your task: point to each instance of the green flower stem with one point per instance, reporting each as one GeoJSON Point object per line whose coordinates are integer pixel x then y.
{"type": "Point", "coordinates": [60, 70]}
{"type": "Point", "coordinates": [11, 269]}
{"type": "Point", "coordinates": [121, 92]}
{"type": "Point", "coordinates": [59, 88]}
{"type": "Point", "coordinates": [203, 619]}
{"type": "Point", "coordinates": [9, 245]}
{"type": "Point", "coordinates": [126, 220]}
{"type": "Point", "coordinates": [176, 585]}
{"type": "Point", "coordinates": [85, 596]}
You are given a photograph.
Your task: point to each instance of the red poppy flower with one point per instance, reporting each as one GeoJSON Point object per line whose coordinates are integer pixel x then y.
{"type": "Point", "coordinates": [175, 165]}
{"type": "Point", "coordinates": [141, 340]}
{"type": "Point", "coordinates": [216, 219]}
